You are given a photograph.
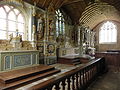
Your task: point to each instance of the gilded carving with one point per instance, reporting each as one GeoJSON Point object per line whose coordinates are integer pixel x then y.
{"type": "Point", "coordinates": [51, 22]}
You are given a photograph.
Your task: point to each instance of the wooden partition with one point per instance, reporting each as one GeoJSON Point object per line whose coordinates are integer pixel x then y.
{"type": "Point", "coordinates": [112, 59]}
{"type": "Point", "coordinates": [76, 79]}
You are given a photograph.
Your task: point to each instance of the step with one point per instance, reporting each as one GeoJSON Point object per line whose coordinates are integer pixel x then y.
{"type": "Point", "coordinates": [76, 60]}
{"type": "Point", "coordinates": [76, 63]}
{"type": "Point", "coordinates": [15, 75]}
{"type": "Point", "coordinates": [30, 79]}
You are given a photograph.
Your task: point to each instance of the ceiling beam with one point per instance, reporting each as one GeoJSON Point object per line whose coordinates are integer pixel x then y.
{"type": "Point", "coordinates": [32, 3]}
{"type": "Point", "coordinates": [60, 4]}
{"type": "Point", "coordinates": [71, 2]}
{"type": "Point", "coordinates": [43, 3]}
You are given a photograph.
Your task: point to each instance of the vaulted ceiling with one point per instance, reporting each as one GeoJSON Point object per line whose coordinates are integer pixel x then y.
{"type": "Point", "coordinates": [75, 8]}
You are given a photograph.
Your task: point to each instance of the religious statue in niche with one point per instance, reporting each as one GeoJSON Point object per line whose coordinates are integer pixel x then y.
{"type": "Point", "coordinates": [51, 18]}
{"type": "Point", "coordinates": [51, 26]}
{"type": "Point", "coordinates": [40, 26]}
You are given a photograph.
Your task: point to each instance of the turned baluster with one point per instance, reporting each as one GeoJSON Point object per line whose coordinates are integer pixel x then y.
{"type": "Point", "coordinates": [73, 82]}
{"type": "Point", "coordinates": [57, 87]}
{"type": "Point", "coordinates": [83, 77]}
{"type": "Point", "coordinates": [77, 81]}
{"type": "Point", "coordinates": [88, 73]}
{"type": "Point", "coordinates": [80, 80]}
{"type": "Point", "coordinates": [49, 88]}
{"type": "Point", "coordinates": [68, 82]}
{"type": "Point", "coordinates": [94, 69]}
{"type": "Point", "coordinates": [91, 72]}
{"type": "Point", "coordinates": [63, 84]}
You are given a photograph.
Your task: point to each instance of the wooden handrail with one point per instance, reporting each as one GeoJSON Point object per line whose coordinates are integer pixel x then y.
{"type": "Point", "coordinates": [77, 78]}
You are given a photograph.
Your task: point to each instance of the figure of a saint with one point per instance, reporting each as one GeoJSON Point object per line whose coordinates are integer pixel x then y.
{"type": "Point", "coordinates": [40, 26]}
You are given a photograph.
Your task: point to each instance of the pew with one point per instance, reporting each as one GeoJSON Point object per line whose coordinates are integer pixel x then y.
{"type": "Point", "coordinates": [112, 59]}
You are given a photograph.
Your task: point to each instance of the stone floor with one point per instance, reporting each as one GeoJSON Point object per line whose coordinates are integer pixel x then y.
{"type": "Point", "coordinates": [108, 81]}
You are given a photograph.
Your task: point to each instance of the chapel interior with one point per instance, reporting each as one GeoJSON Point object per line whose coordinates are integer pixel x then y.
{"type": "Point", "coordinates": [59, 45]}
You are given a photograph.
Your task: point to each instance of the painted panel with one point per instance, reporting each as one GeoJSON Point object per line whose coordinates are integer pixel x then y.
{"type": "Point", "coordinates": [34, 59]}
{"type": "Point", "coordinates": [7, 62]}
{"type": "Point", "coordinates": [22, 60]}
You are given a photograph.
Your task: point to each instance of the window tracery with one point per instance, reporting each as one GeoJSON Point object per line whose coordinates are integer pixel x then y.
{"type": "Point", "coordinates": [11, 19]}
{"type": "Point", "coordinates": [108, 33]}
{"type": "Point", "coordinates": [60, 23]}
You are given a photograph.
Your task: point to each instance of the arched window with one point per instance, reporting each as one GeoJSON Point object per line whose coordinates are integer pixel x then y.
{"type": "Point", "coordinates": [60, 23]}
{"type": "Point", "coordinates": [108, 33]}
{"type": "Point", "coordinates": [11, 19]}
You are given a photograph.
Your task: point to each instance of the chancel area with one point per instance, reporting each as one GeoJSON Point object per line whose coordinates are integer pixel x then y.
{"type": "Point", "coordinates": [59, 44]}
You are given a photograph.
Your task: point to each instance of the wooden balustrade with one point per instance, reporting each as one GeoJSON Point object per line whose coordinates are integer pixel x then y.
{"type": "Point", "coordinates": [76, 79]}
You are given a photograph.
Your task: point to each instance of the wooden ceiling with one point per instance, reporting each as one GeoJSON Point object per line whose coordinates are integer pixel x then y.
{"type": "Point", "coordinates": [73, 8]}
{"type": "Point", "coordinates": [56, 3]}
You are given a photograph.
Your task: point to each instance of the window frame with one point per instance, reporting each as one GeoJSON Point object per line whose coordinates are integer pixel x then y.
{"type": "Point", "coordinates": [11, 9]}
{"type": "Point", "coordinates": [60, 23]}
{"type": "Point", "coordinates": [109, 42]}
